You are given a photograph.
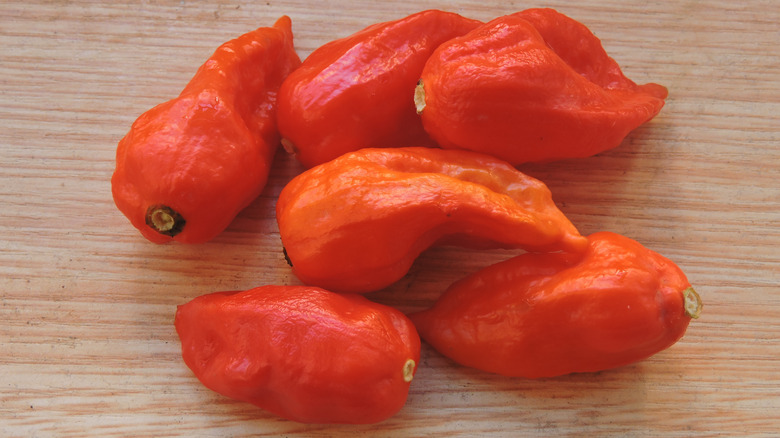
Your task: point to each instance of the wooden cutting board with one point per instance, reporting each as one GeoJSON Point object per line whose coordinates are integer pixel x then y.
{"type": "Point", "coordinates": [87, 344]}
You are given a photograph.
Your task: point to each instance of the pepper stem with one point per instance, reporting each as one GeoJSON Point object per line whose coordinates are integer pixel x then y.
{"type": "Point", "coordinates": [164, 220]}
{"type": "Point", "coordinates": [289, 146]}
{"type": "Point", "coordinates": [287, 256]}
{"type": "Point", "coordinates": [408, 370]}
{"type": "Point", "coordinates": [419, 97]}
{"type": "Point", "coordinates": [693, 303]}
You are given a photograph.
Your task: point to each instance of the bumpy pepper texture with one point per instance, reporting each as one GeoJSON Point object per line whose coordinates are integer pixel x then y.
{"type": "Point", "coordinates": [543, 315]}
{"type": "Point", "coordinates": [189, 165]}
{"type": "Point", "coordinates": [355, 92]}
{"type": "Point", "coordinates": [301, 353]}
{"type": "Point", "coordinates": [531, 87]}
{"type": "Point", "coordinates": [357, 223]}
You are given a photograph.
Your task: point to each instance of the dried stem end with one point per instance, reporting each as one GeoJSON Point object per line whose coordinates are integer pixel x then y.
{"type": "Point", "coordinates": [693, 303]}
{"type": "Point", "coordinates": [287, 257]}
{"type": "Point", "coordinates": [408, 370]}
{"type": "Point", "coordinates": [289, 146]}
{"type": "Point", "coordinates": [419, 97]}
{"type": "Point", "coordinates": [164, 220]}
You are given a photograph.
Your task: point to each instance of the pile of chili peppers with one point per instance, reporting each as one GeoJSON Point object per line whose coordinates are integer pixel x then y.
{"type": "Point", "coordinates": [410, 131]}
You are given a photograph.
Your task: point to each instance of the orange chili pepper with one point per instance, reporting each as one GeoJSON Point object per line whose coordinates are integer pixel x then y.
{"type": "Point", "coordinates": [301, 353]}
{"type": "Point", "coordinates": [542, 315]}
{"type": "Point", "coordinates": [189, 165]}
{"type": "Point", "coordinates": [357, 223]}
{"type": "Point", "coordinates": [528, 87]}
{"type": "Point", "coordinates": [355, 92]}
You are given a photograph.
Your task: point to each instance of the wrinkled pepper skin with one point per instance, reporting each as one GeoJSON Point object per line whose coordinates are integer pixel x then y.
{"type": "Point", "coordinates": [534, 86]}
{"type": "Point", "coordinates": [355, 92]}
{"type": "Point", "coordinates": [301, 353]}
{"type": "Point", "coordinates": [357, 223]}
{"type": "Point", "coordinates": [189, 165]}
{"type": "Point", "coordinates": [544, 315]}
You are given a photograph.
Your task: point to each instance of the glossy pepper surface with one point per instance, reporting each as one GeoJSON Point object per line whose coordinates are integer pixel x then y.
{"type": "Point", "coordinates": [543, 315]}
{"type": "Point", "coordinates": [301, 353]}
{"type": "Point", "coordinates": [531, 87]}
{"type": "Point", "coordinates": [356, 92]}
{"type": "Point", "coordinates": [357, 223]}
{"type": "Point", "coordinates": [189, 165]}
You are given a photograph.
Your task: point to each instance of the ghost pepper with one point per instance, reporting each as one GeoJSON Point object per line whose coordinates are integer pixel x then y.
{"type": "Point", "coordinates": [531, 87]}
{"type": "Point", "coordinates": [356, 92]}
{"type": "Point", "coordinates": [357, 223]}
{"type": "Point", "coordinates": [544, 315]}
{"type": "Point", "coordinates": [189, 165]}
{"type": "Point", "coordinates": [302, 353]}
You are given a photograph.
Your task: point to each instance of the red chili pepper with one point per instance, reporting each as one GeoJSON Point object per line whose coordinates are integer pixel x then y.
{"type": "Point", "coordinates": [301, 353]}
{"type": "Point", "coordinates": [531, 86]}
{"type": "Point", "coordinates": [357, 223]}
{"type": "Point", "coordinates": [542, 315]}
{"type": "Point", "coordinates": [356, 92]}
{"type": "Point", "coordinates": [189, 165]}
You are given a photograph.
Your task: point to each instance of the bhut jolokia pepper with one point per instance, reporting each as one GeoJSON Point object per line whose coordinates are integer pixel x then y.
{"type": "Point", "coordinates": [189, 165]}
{"type": "Point", "coordinates": [355, 92]}
{"type": "Point", "coordinates": [530, 87]}
{"type": "Point", "coordinates": [357, 223]}
{"type": "Point", "coordinates": [302, 353]}
{"type": "Point", "coordinates": [543, 315]}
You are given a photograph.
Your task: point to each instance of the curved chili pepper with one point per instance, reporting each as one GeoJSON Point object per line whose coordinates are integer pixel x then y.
{"type": "Point", "coordinates": [301, 353]}
{"type": "Point", "coordinates": [543, 315]}
{"type": "Point", "coordinates": [529, 87]}
{"type": "Point", "coordinates": [189, 165]}
{"type": "Point", "coordinates": [357, 223]}
{"type": "Point", "coordinates": [355, 92]}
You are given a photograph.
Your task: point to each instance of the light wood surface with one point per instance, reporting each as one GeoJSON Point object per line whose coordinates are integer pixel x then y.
{"type": "Point", "coordinates": [87, 344]}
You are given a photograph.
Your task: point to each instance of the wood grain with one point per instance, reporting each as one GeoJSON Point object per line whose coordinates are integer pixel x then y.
{"type": "Point", "coordinates": [87, 345]}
